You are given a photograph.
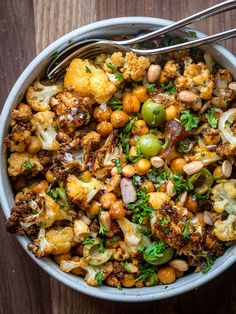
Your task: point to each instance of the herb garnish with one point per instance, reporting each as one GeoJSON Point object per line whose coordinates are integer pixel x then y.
{"type": "Point", "coordinates": [186, 231]}
{"type": "Point", "coordinates": [154, 176]}
{"type": "Point", "coordinates": [87, 241]}
{"type": "Point", "coordinates": [208, 260]}
{"type": "Point", "coordinates": [111, 65]}
{"type": "Point", "coordinates": [118, 165]}
{"type": "Point", "coordinates": [28, 165]}
{"type": "Point", "coordinates": [115, 103]}
{"type": "Point", "coordinates": [189, 120]}
{"type": "Point", "coordinates": [170, 87]}
{"type": "Point", "coordinates": [211, 119]}
{"type": "Point", "coordinates": [102, 229]}
{"type": "Point", "coordinates": [118, 76]}
{"type": "Point", "coordinates": [150, 87]}
{"type": "Point", "coordinates": [180, 184]}
{"type": "Point", "coordinates": [99, 278]}
{"type": "Point", "coordinates": [147, 272]}
{"type": "Point", "coordinates": [143, 210]}
{"type": "Point", "coordinates": [154, 251]}
{"type": "Point", "coordinates": [87, 70]}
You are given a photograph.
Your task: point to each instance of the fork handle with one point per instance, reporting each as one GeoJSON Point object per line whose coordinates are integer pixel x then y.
{"type": "Point", "coordinates": [190, 44]}
{"type": "Point", "coordinates": [218, 8]}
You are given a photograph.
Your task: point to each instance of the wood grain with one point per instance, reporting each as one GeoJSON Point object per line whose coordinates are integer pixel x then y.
{"type": "Point", "coordinates": [26, 27]}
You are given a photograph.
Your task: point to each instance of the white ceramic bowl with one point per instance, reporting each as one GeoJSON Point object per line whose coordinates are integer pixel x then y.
{"type": "Point", "coordinates": [126, 25]}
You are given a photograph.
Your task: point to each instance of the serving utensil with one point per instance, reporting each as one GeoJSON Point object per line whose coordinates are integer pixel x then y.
{"type": "Point", "coordinates": [93, 47]}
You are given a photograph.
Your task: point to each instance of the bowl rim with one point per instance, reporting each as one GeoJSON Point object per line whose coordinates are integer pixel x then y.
{"type": "Point", "coordinates": [107, 294]}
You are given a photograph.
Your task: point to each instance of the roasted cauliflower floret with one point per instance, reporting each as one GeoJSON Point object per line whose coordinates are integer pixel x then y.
{"type": "Point", "coordinates": [45, 124]}
{"type": "Point", "coordinates": [85, 78]}
{"type": "Point", "coordinates": [224, 197]}
{"type": "Point", "coordinates": [92, 272]}
{"type": "Point", "coordinates": [199, 77]}
{"type": "Point", "coordinates": [22, 163]}
{"type": "Point", "coordinates": [117, 59]}
{"type": "Point", "coordinates": [130, 231]}
{"type": "Point", "coordinates": [134, 67]}
{"type": "Point", "coordinates": [46, 212]}
{"type": "Point", "coordinates": [38, 95]}
{"type": "Point", "coordinates": [226, 230]}
{"type": "Point", "coordinates": [82, 192]}
{"type": "Point", "coordinates": [72, 109]}
{"type": "Point", "coordinates": [170, 71]}
{"type": "Point", "coordinates": [53, 241]}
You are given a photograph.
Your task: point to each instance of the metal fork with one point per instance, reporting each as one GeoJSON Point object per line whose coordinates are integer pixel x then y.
{"type": "Point", "coordinates": [93, 47]}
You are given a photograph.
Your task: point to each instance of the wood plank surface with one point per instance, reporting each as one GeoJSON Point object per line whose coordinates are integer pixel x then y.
{"type": "Point", "coordinates": [26, 27]}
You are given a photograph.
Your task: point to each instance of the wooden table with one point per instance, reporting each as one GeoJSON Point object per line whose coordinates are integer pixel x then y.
{"type": "Point", "coordinates": [26, 27]}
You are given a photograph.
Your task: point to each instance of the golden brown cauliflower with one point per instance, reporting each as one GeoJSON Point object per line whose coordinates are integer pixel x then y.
{"type": "Point", "coordinates": [226, 230]}
{"type": "Point", "coordinates": [72, 109]}
{"type": "Point", "coordinates": [45, 125]}
{"type": "Point", "coordinates": [196, 76]}
{"type": "Point", "coordinates": [134, 67]}
{"type": "Point", "coordinates": [38, 95]}
{"type": "Point", "coordinates": [85, 78]}
{"type": "Point", "coordinates": [53, 241]}
{"type": "Point", "coordinates": [224, 197]}
{"type": "Point", "coordinates": [82, 192]}
{"type": "Point", "coordinates": [19, 163]}
{"type": "Point", "coordinates": [170, 71]}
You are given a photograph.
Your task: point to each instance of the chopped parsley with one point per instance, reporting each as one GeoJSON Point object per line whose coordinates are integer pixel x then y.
{"type": "Point", "coordinates": [139, 155]}
{"type": "Point", "coordinates": [164, 222]}
{"type": "Point", "coordinates": [141, 207]}
{"type": "Point", "coordinates": [171, 41]}
{"type": "Point", "coordinates": [211, 119]}
{"type": "Point", "coordinates": [144, 231]}
{"type": "Point", "coordinates": [87, 241]}
{"type": "Point", "coordinates": [154, 176]}
{"type": "Point", "coordinates": [154, 252]}
{"type": "Point", "coordinates": [150, 87]}
{"type": "Point", "coordinates": [118, 165]}
{"type": "Point", "coordinates": [209, 261]}
{"type": "Point", "coordinates": [87, 70]}
{"type": "Point", "coordinates": [126, 267]}
{"type": "Point", "coordinates": [189, 120]}
{"type": "Point", "coordinates": [99, 278]}
{"type": "Point", "coordinates": [118, 76]}
{"type": "Point", "coordinates": [180, 185]}
{"type": "Point", "coordinates": [101, 247]}
{"type": "Point", "coordinates": [136, 180]}
{"type": "Point", "coordinates": [147, 272]}
{"type": "Point", "coordinates": [111, 65]}
{"type": "Point", "coordinates": [60, 196]}
{"type": "Point", "coordinates": [170, 87]}
{"type": "Point", "coordinates": [185, 230]}
{"type": "Point", "coordinates": [28, 165]}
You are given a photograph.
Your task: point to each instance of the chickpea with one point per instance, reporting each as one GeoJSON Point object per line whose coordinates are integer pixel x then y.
{"type": "Point", "coordinates": [117, 210]}
{"type": "Point", "coordinates": [102, 113]}
{"type": "Point", "coordinates": [78, 271]}
{"type": "Point", "coordinates": [104, 128]}
{"type": "Point", "coordinates": [49, 176]}
{"type": "Point", "coordinates": [128, 280]}
{"type": "Point", "coordinates": [140, 128]}
{"type": "Point", "coordinates": [128, 171]}
{"type": "Point", "coordinates": [191, 204]}
{"type": "Point", "coordinates": [177, 164]}
{"type": "Point", "coordinates": [171, 113]}
{"type": "Point", "coordinates": [62, 257]}
{"type": "Point", "coordinates": [119, 118]}
{"type": "Point", "coordinates": [131, 104]}
{"type": "Point", "coordinates": [107, 199]}
{"type": "Point", "coordinates": [39, 186]}
{"type": "Point", "coordinates": [141, 93]}
{"type": "Point", "coordinates": [166, 275]}
{"type": "Point", "coordinates": [93, 209]}
{"type": "Point", "coordinates": [149, 186]}
{"type": "Point", "coordinates": [142, 166]}
{"type": "Point", "coordinates": [218, 173]}
{"type": "Point", "coordinates": [33, 145]}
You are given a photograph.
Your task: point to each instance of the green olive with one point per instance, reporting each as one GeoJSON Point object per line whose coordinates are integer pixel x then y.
{"type": "Point", "coordinates": [201, 181]}
{"type": "Point", "coordinates": [153, 113]}
{"type": "Point", "coordinates": [153, 255]}
{"type": "Point", "coordinates": [149, 145]}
